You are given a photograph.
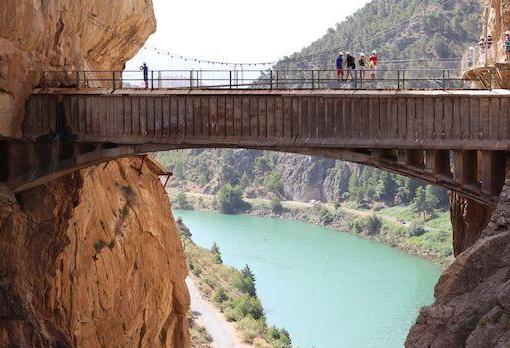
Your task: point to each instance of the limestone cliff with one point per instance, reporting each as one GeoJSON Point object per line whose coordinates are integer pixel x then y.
{"type": "Point", "coordinates": [497, 21]}
{"type": "Point", "coordinates": [92, 259]}
{"type": "Point", "coordinates": [42, 35]}
{"type": "Point", "coordinates": [472, 307]}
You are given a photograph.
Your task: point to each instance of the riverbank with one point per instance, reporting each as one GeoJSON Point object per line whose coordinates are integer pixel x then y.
{"type": "Point", "coordinates": [238, 319]}
{"type": "Point", "coordinates": [399, 226]}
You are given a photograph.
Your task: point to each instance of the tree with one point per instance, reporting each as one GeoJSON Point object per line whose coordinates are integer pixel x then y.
{"type": "Point", "coordinates": [229, 200]}
{"type": "Point", "coordinates": [215, 250]}
{"type": "Point", "coordinates": [419, 202]}
{"type": "Point", "coordinates": [246, 272]}
{"type": "Point", "coordinates": [246, 285]}
{"type": "Point", "coordinates": [182, 201]}
{"type": "Point", "coordinates": [431, 200]}
{"type": "Point", "coordinates": [276, 206]}
{"type": "Point", "coordinates": [273, 183]}
{"type": "Point", "coordinates": [386, 188]}
{"type": "Point", "coordinates": [374, 224]}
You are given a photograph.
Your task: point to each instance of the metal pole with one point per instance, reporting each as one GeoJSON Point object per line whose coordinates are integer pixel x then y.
{"type": "Point", "coordinates": [230, 79]}
{"type": "Point", "coordinates": [398, 80]}
{"type": "Point", "coordinates": [191, 79]}
{"type": "Point", "coordinates": [403, 79]}
{"type": "Point", "coordinates": [444, 81]}
{"type": "Point", "coordinates": [113, 80]}
{"type": "Point", "coordinates": [313, 72]}
{"type": "Point", "coordinates": [318, 79]}
{"type": "Point", "coordinates": [271, 77]}
{"type": "Point", "coordinates": [152, 79]}
{"type": "Point", "coordinates": [277, 80]}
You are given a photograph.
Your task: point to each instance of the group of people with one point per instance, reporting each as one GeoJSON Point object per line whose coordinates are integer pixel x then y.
{"type": "Point", "coordinates": [486, 48]}
{"type": "Point", "coordinates": [346, 66]}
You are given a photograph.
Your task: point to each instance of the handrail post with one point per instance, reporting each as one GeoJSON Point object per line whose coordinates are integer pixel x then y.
{"type": "Point", "coordinates": [398, 80]}
{"type": "Point", "coordinates": [271, 77]}
{"type": "Point", "coordinates": [318, 79]}
{"type": "Point", "coordinates": [313, 73]}
{"type": "Point", "coordinates": [230, 79]}
{"type": "Point", "coordinates": [355, 80]}
{"type": "Point", "coordinates": [152, 79]}
{"type": "Point", "coordinates": [403, 79]}
{"type": "Point", "coordinates": [277, 80]}
{"type": "Point", "coordinates": [113, 80]}
{"type": "Point", "coordinates": [444, 81]}
{"type": "Point", "coordinates": [191, 79]}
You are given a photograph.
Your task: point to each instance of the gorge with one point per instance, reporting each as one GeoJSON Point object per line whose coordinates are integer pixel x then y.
{"type": "Point", "coordinates": [83, 255]}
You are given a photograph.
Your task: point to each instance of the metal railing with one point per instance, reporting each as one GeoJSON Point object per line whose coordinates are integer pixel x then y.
{"type": "Point", "coordinates": [369, 79]}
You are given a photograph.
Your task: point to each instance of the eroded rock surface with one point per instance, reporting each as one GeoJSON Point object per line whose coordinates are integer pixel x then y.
{"type": "Point", "coordinates": [472, 297]}
{"type": "Point", "coordinates": [93, 260]}
{"type": "Point", "coordinates": [41, 35]}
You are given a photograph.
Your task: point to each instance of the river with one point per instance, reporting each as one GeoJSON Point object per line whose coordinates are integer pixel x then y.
{"type": "Point", "coordinates": [327, 288]}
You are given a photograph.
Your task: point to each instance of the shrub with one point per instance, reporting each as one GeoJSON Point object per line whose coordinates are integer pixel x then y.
{"type": "Point", "coordinates": [373, 224]}
{"type": "Point", "coordinates": [276, 206]}
{"type": "Point", "coordinates": [220, 295]}
{"type": "Point", "coordinates": [416, 230]}
{"type": "Point", "coordinates": [182, 201]}
{"type": "Point", "coordinates": [279, 338]}
{"type": "Point", "coordinates": [246, 285]}
{"type": "Point", "coordinates": [215, 250]}
{"type": "Point", "coordinates": [246, 305]}
{"type": "Point", "coordinates": [229, 200]}
{"type": "Point", "coordinates": [251, 328]}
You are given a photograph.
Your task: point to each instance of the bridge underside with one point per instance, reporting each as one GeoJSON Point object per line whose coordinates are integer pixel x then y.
{"type": "Point", "coordinates": [475, 174]}
{"type": "Point", "coordinates": [455, 140]}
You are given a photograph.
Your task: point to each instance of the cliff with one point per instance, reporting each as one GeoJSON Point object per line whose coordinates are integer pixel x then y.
{"type": "Point", "coordinates": [472, 306]}
{"type": "Point", "coordinates": [41, 35]}
{"type": "Point", "coordinates": [92, 259]}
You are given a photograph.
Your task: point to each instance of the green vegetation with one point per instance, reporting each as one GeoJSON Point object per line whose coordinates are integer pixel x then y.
{"type": "Point", "coordinates": [229, 200]}
{"type": "Point", "coordinates": [233, 292]}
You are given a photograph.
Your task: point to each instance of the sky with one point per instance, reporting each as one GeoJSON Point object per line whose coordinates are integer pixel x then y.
{"type": "Point", "coordinates": [241, 31]}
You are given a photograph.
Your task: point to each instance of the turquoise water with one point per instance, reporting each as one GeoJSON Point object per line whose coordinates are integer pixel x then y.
{"type": "Point", "coordinates": [327, 288]}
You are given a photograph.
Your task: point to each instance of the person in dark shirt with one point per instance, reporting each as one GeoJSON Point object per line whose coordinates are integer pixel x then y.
{"type": "Point", "coordinates": [351, 65]}
{"type": "Point", "coordinates": [340, 65]}
{"type": "Point", "coordinates": [145, 70]}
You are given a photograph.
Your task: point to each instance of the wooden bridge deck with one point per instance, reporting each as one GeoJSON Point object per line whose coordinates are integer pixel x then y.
{"type": "Point", "coordinates": [457, 139]}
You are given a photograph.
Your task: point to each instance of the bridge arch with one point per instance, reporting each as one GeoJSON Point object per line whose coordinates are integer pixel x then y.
{"type": "Point", "coordinates": [457, 140]}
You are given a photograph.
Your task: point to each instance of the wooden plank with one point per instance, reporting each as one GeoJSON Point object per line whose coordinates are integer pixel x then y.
{"type": "Point", "coordinates": [174, 117]}
{"type": "Point", "coordinates": [321, 118]}
{"type": "Point", "coordinates": [229, 116]}
{"type": "Point", "coordinates": [245, 119]}
{"type": "Point", "coordinates": [465, 114]}
{"type": "Point", "coordinates": [151, 116]}
{"type": "Point", "coordinates": [348, 122]}
{"type": "Point", "coordinates": [182, 117]}
{"type": "Point", "coordinates": [295, 117]}
{"type": "Point", "coordinates": [402, 118]}
{"type": "Point", "coordinates": [136, 112]}
{"type": "Point", "coordinates": [221, 116]}
{"type": "Point", "coordinates": [303, 117]}
{"type": "Point", "coordinates": [373, 111]}
{"type": "Point", "coordinates": [485, 114]}
{"type": "Point", "coordinates": [165, 122]}
{"type": "Point", "coordinates": [366, 118]}
{"type": "Point", "coordinates": [128, 115]}
{"type": "Point", "coordinates": [190, 117]}
{"type": "Point", "coordinates": [119, 114]}
{"type": "Point", "coordinates": [476, 120]}
{"type": "Point", "coordinates": [197, 116]}
{"type": "Point", "coordinates": [82, 114]}
{"type": "Point", "coordinates": [238, 113]}
{"type": "Point", "coordinates": [494, 119]}
{"type": "Point", "coordinates": [262, 117]}
{"type": "Point", "coordinates": [411, 119]}
{"type": "Point", "coordinates": [312, 118]}
{"type": "Point", "coordinates": [271, 114]}
{"type": "Point", "coordinates": [356, 117]}
{"type": "Point", "coordinates": [205, 116]}
{"type": "Point", "coordinates": [448, 118]}
{"type": "Point", "coordinates": [428, 118]}
{"type": "Point", "coordinates": [278, 118]}
{"type": "Point", "coordinates": [383, 119]}
{"type": "Point", "coordinates": [213, 116]}
{"type": "Point", "coordinates": [253, 116]}
{"type": "Point", "coordinates": [393, 115]}
{"type": "Point", "coordinates": [158, 116]}
{"type": "Point", "coordinates": [503, 119]}
{"type": "Point", "coordinates": [456, 132]}
{"type": "Point", "coordinates": [420, 119]}
{"type": "Point", "coordinates": [438, 118]}
{"type": "Point", "coordinates": [287, 115]}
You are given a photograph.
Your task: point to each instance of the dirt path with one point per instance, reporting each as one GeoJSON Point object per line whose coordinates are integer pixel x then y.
{"type": "Point", "coordinates": [223, 333]}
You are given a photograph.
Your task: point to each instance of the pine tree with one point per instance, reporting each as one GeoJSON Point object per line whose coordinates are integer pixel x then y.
{"type": "Point", "coordinates": [216, 251]}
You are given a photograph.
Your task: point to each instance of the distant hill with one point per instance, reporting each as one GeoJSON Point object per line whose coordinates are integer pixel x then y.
{"type": "Point", "coordinates": [398, 29]}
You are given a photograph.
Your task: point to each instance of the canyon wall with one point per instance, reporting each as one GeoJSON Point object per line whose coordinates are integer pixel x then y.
{"type": "Point", "coordinates": [472, 297]}
{"type": "Point", "coordinates": [42, 35]}
{"type": "Point", "coordinates": [497, 19]}
{"type": "Point", "coordinates": [92, 259]}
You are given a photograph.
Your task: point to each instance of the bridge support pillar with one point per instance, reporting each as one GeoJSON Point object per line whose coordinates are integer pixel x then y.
{"type": "Point", "coordinates": [465, 168]}
{"type": "Point", "coordinates": [413, 157]}
{"type": "Point", "coordinates": [438, 162]}
{"type": "Point", "coordinates": [492, 171]}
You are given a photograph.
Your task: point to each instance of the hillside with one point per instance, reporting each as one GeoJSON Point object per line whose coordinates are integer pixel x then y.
{"type": "Point", "coordinates": [398, 30]}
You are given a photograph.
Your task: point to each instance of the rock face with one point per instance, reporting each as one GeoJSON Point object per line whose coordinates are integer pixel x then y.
{"type": "Point", "coordinates": [41, 35]}
{"type": "Point", "coordinates": [472, 306]}
{"type": "Point", "coordinates": [468, 218]}
{"type": "Point", "coordinates": [497, 19]}
{"type": "Point", "coordinates": [93, 259]}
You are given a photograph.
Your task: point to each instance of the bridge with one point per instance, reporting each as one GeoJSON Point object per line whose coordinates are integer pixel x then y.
{"type": "Point", "coordinates": [455, 138]}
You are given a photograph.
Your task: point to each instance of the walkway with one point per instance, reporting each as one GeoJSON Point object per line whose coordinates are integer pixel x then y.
{"type": "Point", "coordinates": [222, 332]}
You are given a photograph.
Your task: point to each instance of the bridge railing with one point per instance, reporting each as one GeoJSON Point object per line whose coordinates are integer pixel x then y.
{"type": "Point", "coordinates": [359, 79]}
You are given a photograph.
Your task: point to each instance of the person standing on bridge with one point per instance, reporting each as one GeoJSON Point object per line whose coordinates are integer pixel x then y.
{"type": "Point", "coordinates": [351, 66]}
{"type": "Point", "coordinates": [373, 61]}
{"type": "Point", "coordinates": [362, 65]}
{"type": "Point", "coordinates": [145, 70]}
{"type": "Point", "coordinates": [340, 66]}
